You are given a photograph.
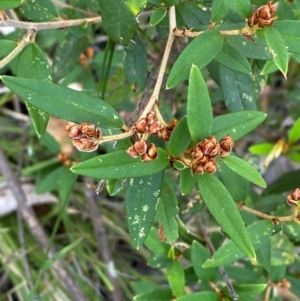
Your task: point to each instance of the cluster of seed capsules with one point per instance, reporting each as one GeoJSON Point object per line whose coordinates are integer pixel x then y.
{"type": "Point", "coordinates": [203, 155]}
{"type": "Point", "coordinates": [86, 136]}
{"type": "Point", "coordinates": [149, 125]}
{"type": "Point", "coordinates": [263, 15]}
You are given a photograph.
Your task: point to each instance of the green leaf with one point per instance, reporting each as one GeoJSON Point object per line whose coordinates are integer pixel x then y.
{"type": "Point", "coordinates": [157, 15]}
{"type": "Point", "coordinates": [118, 165]}
{"type": "Point", "coordinates": [263, 254]}
{"type": "Point", "coordinates": [6, 46]}
{"type": "Point", "coordinates": [135, 63]}
{"type": "Point", "coordinates": [8, 4]}
{"type": "Point", "coordinates": [175, 275]}
{"type": "Point", "coordinates": [199, 255]}
{"type": "Point", "coordinates": [237, 124]}
{"type": "Point", "coordinates": [221, 205]}
{"type": "Point", "coordinates": [277, 46]}
{"type": "Point", "coordinates": [66, 183]}
{"type": "Point", "coordinates": [233, 59]}
{"type": "Point", "coordinates": [200, 296]}
{"type": "Point", "coordinates": [39, 10]}
{"type": "Point", "coordinates": [242, 7]}
{"type": "Point", "coordinates": [294, 133]}
{"type": "Point", "coordinates": [33, 64]}
{"type": "Point", "coordinates": [289, 31]}
{"type": "Point", "coordinates": [180, 138]}
{"type": "Point", "coordinates": [155, 245]}
{"type": "Point", "coordinates": [287, 181]}
{"type": "Point", "coordinates": [282, 250]}
{"type": "Point", "coordinates": [141, 198]}
{"type": "Point", "coordinates": [208, 44]}
{"type": "Point", "coordinates": [238, 90]}
{"type": "Point", "coordinates": [219, 10]}
{"type": "Point", "coordinates": [67, 55]}
{"type": "Point", "coordinates": [167, 208]}
{"type": "Point", "coordinates": [256, 49]}
{"type": "Point", "coordinates": [292, 230]}
{"type": "Point", "coordinates": [229, 252]}
{"type": "Point", "coordinates": [158, 294]}
{"type": "Point", "coordinates": [245, 170]}
{"type": "Point", "coordinates": [236, 185]}
{"type": "Point", "coordinates": [192, 15]}
{"type": "Point", "coordinates": [261, 148]}
{"type": "Point", "coordinates": [64, 102]}
{"type": "Point", "coordinates": [199, 110]}
{"type": "Point", "coordinates": [249, 291]}
{"type": "Point", "coordinates": [187, 181]}
{"type": "Point", "coordinates": [120, 18]}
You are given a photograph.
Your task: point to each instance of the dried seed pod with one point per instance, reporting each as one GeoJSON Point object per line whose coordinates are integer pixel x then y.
{"type": "Point", "coordinates": [142, 126]}
{"type": "Point", "coordinates": [90, 131]}
{"type": "Point", "coordinates": [293, 197]}
{"type": "Point", "coordinates": [171, 125]}
{"type": "Point", "coordinates": [226, 146]}
{"type": "Point", "coordinates": [198, 168]}
{"type": "Point", "coordinates": [74, 130]}
{"type": "Point", "coordinates": [140, 147]}
{"type": "Point", "coordinates": [164, 134]}
{"type": "Point", "coordinates": [210, 167]}
{"type": "Point", "coordinates": [152, 150]}
{"type": "Point", "coordinates": [132, 152]}
{"type": "Point", "coordinates": [151, 117]}
{"type": "Point", "coordinates": [85, 145]}
{"type": "Point", "coordinates": [90, 52]}
{"type": "Point", "coordinates": [197, 153]}
{"type": "Point", "coordinates": [154, 128]}
{"type": "Point", "coordinates": [263, 15]}
{"type": "Point", "coordinates": [209, 146]}
{"type": "Point", "coordinates": [146, 158]}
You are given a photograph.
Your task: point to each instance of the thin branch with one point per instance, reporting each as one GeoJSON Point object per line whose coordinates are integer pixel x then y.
{"type": "Point", "coordinates": [102, 239]}
{"type": "Point", "coordinates": [48, 25]}
{"type": "Point", "coordinates": [194, 34]}
{"type": "Point", "coordinates": [212, 250]}
{"type": "Point", "coordinates": [36, 229]}
{"type": "Point", "coordinates": [154, 97]}
{"type": "Point", "coordinates": [262, 215]}
{"type": "Point", "coordinates": [28, 38]}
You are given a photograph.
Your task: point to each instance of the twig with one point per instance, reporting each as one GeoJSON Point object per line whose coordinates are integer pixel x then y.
{"type": "Point", "coordinates": [102, 239]}
{"type": "Point", "coordinates": [36, 229]}
{"type": "Point", "coordinates": [48, 25]}
{"type": "Point", "coordinates": [262, 215]}
{"type": "Point", "coordinates": [154, 97]}
{"type": "Point", "coordinates": [212, 250]}
{"type": "Point", "coordinates": [28, 38]}
{"type": "Point", "coordinates": [194, 34]}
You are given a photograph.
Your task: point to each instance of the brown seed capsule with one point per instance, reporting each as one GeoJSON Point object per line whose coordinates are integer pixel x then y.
{"type": "Point", "coordinates": [226, 146]}
{"type": "Point", "coordinates": [90, 131]}
{"type": "Point", "coordinates": [171, 125]}
{"type": "Point", "coordinates": [197, 154]}
{"type": "Point", "coordinates": [208, 146]}
{"type": "Point", "coordinates": [152, 150]}
{"type": "Point", "coordinates": [198, 168]}
{"type": "Point", "coordinates": [210, 167]}
{"type": "Point", "coordinates": [154, 128]}
{"type": "Point", "coordinates": [262, 16]}
{"type": "Point", "coordinates": [142, 126]}
{"type": "Point", "coordinates": [90, 52]}
{"type": "Point", "coordinates": [146, 158]}
{"type": "Point", "coordinates": [293, 197]}
{"type": "Point", "coordinates": [151, 117]}
{"type": "Point", "coordinates": [132, 152]}
{"type": "Point", "coordinates": [74, 130]}
{"type": "Point", "coordinates": [140, 147]}
{"type": "Point", "coordinates": [85, 145]}
{"type": "Point", "coordinates": [164, 134]}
